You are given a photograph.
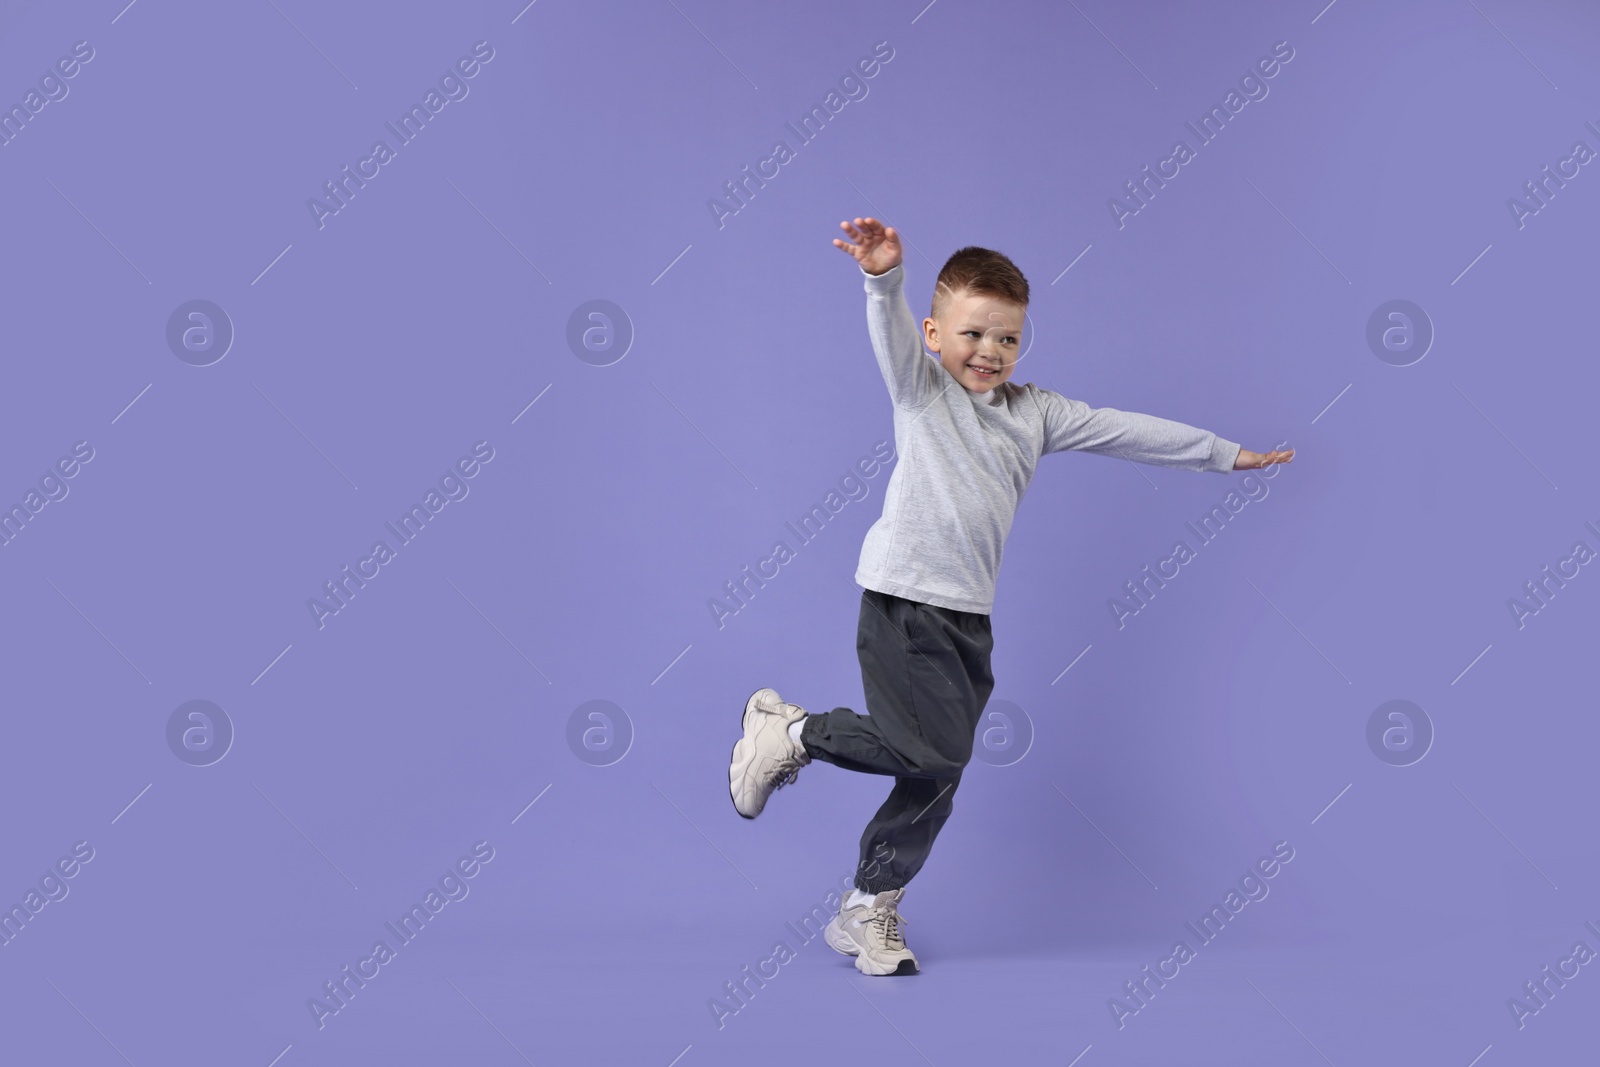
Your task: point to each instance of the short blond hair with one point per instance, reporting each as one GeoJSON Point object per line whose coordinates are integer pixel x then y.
{"type": "Point", "coordinates": [978, 270]}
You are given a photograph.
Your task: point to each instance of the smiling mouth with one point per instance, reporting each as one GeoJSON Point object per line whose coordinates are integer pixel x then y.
{"type": "Point", "coordinates": [982, 371]}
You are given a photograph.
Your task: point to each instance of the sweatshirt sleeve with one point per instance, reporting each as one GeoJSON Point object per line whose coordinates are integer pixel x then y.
{"type": "Point", "coordinates": [1072, 424]}
{"type": "Point", "coordinates": [912, 377]}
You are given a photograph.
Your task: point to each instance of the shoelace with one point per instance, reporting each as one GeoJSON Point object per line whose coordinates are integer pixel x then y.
{"type": "Point", "coordinates": [888, 921]}
{"type": "Point", "coordinates": [785, 772]}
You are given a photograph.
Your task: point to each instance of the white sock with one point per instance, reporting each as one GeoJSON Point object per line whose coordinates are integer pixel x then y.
{"type": "Point", "coordinates": [794, 730]}
{"type": "Point", "coordinates": [858, 898]}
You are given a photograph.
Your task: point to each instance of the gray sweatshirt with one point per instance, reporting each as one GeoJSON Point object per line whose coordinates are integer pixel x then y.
{"type": "Point", "coordinates": [966, 458]}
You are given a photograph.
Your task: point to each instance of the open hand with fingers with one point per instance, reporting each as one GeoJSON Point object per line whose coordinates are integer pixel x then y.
{"type": "Point", "coordinates": [1249, 461]}
{"type": "Point", "coordinates": [877, 247]}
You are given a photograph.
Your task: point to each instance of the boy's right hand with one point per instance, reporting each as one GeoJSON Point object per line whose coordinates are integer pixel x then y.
{"type": "Point", "coordinates": [877, 247]}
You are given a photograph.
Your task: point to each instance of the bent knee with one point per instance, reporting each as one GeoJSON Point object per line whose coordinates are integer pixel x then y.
{"type": "Point", "coordinates": [937, 763]}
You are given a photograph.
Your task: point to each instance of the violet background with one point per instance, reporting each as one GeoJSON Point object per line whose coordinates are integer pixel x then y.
{"type": "Point", "coordinates": [431, 311]}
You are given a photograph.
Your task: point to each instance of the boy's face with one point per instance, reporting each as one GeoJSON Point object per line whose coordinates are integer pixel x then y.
{"type": "Point", "coordinates": [977, 338]}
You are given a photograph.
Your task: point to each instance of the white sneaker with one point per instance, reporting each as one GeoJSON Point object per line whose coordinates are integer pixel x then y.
{"type": "Point", "coordinates": [871, 933]}
{"type": "Point", "coordinates": [764, 759]}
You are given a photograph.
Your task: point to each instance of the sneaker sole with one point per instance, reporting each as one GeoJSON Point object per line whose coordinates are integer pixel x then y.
{"type": "Point", "coordinates": [902, 970]}
{"type": "Point", "coordinates": [733, 757]}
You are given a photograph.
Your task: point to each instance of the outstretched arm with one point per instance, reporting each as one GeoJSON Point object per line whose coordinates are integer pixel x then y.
{"type": "Point", "coordinates": [1072, 424]}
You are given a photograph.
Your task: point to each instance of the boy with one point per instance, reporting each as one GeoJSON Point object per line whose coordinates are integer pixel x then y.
{"type": "Point", "coordinates": [928, 565]}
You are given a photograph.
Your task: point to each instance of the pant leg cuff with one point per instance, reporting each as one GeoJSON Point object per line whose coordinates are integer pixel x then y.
{"type": "Point", "coordinates": [808, 728]}
{"type": "Point", "coordinates": [878, 885]}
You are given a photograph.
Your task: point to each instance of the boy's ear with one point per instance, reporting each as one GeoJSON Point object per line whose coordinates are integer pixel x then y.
{"type": "Point", "coordinates": [930, 334]}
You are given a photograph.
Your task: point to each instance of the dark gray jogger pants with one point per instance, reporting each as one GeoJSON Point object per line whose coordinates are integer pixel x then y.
{"type": "Point", "coordinates": [926, 673]}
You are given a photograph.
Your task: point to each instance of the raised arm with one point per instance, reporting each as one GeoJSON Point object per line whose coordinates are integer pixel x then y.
{"type": "Point", "coordinates": [911, 376]}
{"type": "Point", "coordinates": [1072, 424]}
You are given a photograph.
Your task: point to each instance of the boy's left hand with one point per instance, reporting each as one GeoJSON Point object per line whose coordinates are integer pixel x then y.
{"type": "Point", "coordinates": [1249, 460]}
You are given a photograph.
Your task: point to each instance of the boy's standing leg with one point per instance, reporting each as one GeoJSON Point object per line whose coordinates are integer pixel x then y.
{"type": "Point", "coordinates": [925, 670]}
{"type": "Point", "coordinates": [926, 673]}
